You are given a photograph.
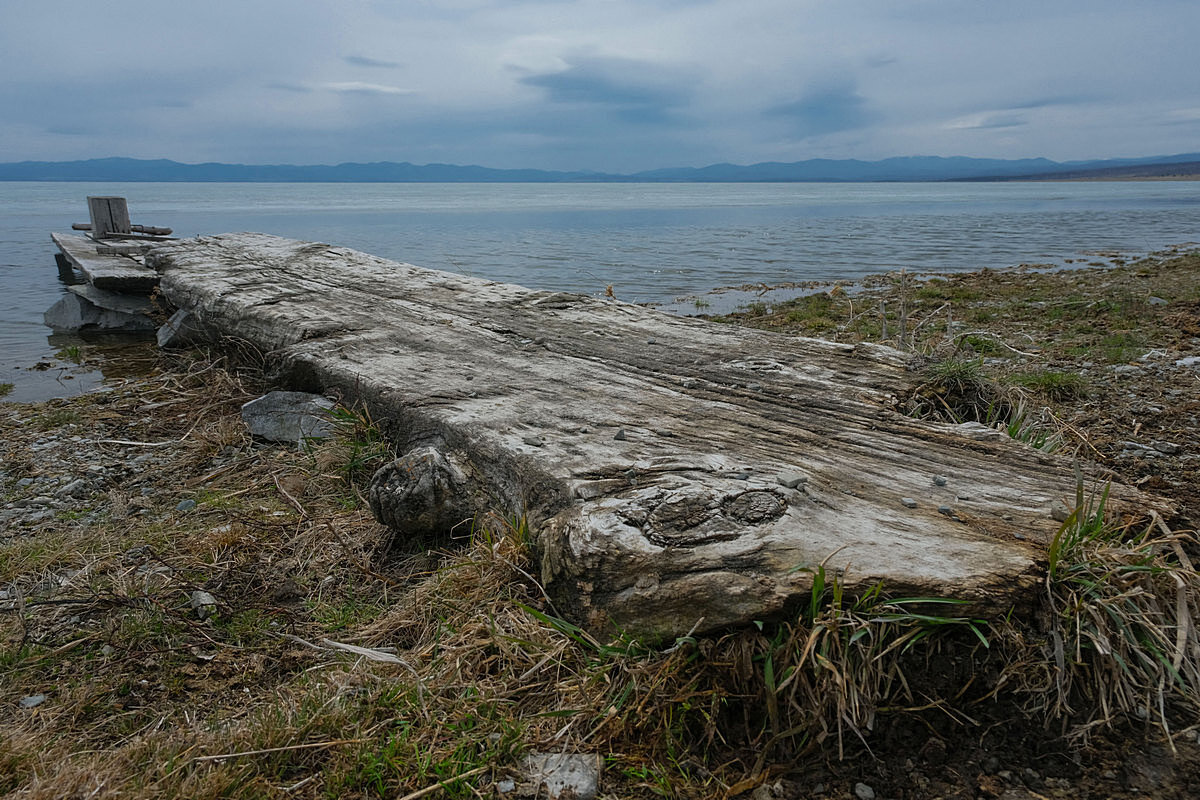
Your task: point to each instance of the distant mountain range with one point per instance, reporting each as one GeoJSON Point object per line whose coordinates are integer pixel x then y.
{"type": "Point", "coordinates": [910, 168]}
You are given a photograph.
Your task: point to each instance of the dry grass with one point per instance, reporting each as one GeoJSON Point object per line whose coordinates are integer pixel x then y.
{"type": "Point", "coordinates": [336, 665]}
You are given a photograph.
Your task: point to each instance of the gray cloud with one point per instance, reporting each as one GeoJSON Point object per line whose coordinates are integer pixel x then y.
{"type": "Point", "coordinates": [634, 91]}
{"type": "Point", "coordinates": [373, 63]}
{"type": "Point", "coordinates": [825, 108]}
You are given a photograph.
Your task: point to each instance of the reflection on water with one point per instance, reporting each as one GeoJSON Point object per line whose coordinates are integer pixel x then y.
{"type": "Point", "coordinates": [78, 364]}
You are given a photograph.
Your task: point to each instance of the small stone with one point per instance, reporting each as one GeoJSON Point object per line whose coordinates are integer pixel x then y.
{"type": "Point", "coordinates": [754, 387]}
{"type": "Point", "coordinates": [107, 650]}
{"type": "Point", "coordinates": [908, 502]}
{"type": "Point", "coordinates": [946, 510]}
{"type": "Point", "coordinates": [1169, 448]}
{"type": "Point", "coordinates": [1059, 512]}
{"type": "Point", "coordinates": [864, 792]}
{"type": "Point", "coordinates": [41, 500]}
{"type": "Point", "coordinates": [186, 505]}
{"type": "Point", "coordinates": [1156, 301]}
{"type": "Point", "coordinates": [564, 775]}
{"type": "Point", "coordinates": [291, 417]}
{"type": "Point", "coordinates": [1126, 369]}
{"type": "Point", "coordinates": [620, 437]}
{"type": "Point", "coordinates": [741, 476]}
{"type": "Point", "coordinates": [1190, 361]}
{"type": "Point", "coordinates": [32, 701]}
{"type": "Point", "coordinates": [939, 480]}
{"type": "Point", "coordinates": [204, 604]}
{"type": "Point", "coordinates": [506, 785]}
{"type": "Point", "coordinates": [1108, 775]}
{"type": "Point", "coordinates": [651, 341]}
{"type": "Point", "coordinates": [1020, 536]}
{"type": "Point", "coordinates": [791, 480]}
{"type": "Point", "coordinates": [991, 764]}
{"type": "Point", "coordinates": [25, 483]}
{"type": "Point", "coordinates": [533, 441]}
{"type": "Point", "coordinates": [76, 488]}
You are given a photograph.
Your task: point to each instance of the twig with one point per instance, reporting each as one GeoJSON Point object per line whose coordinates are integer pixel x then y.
{"type": "Point", "coordinates": [309, 746]}
{"type": "Point", "coordinates": [295, 503]}
{"type": "Point", "coordinates": [443, 784]}
{"type": "Point", "coordinates": [128, 443]}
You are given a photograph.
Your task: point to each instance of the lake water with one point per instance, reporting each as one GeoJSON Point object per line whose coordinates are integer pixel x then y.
{"type": "Point", "coordinates": [651, 242]}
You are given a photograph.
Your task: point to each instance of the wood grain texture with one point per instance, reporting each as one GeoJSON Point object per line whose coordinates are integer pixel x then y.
{"type": "Point", "coordinates": [114, 271]}
{"type": "Point", "coordinates": [674, 471]}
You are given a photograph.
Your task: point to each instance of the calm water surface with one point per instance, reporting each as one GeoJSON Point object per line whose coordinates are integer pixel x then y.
{"type": "Point", "coordinates": [652, 242]}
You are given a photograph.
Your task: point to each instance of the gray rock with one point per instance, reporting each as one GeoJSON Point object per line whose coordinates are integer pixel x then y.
{"type": "Point", "coordinates": [908, 502]}
{"type": "Point", "coordinates": [76, 488]}
{"type": "Point", "coordinates": [864, 792]}
{"type": "Point", "coordinates": [563, 776]}
{"type": "Point", "coordinates": [939, 480]}
{"type": "Point", "coordinates": [620, 437]}
{"type": "Point", "coordinates": [1190, 361]}
{"type": "Point", "coordinates": [289, 417]}
{"type": "Point", "coordinates": [947, 510]}
{"type": "Point", "coordinates": [25, 483]}
{"type": "Point", "coordinates": [1059, 512]}
{"type": "Point", "coordinates": [1156, 301]}
{"type": "Point", "coordinates": [186, 505]}
{"type": "Point", "coordinates": [182, 329]}
{"type": "Point", "coordinates": [74, 313]}
{"type": "Point", "coordinates": [1169, 448]}
{"type": "Point", "coordinates": [1126, 369]}
{"type": "Point", "coordinates": [32, 701]}
{"type": "Point", "coordinates": [204, 604]}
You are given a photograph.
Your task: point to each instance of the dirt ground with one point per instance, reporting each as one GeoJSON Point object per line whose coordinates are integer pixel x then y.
{"type": "Point", "coordinates": [126, 511]}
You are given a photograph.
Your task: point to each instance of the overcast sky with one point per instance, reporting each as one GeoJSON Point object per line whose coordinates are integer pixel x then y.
{"type": "Point", "coordinates": [611, 85]}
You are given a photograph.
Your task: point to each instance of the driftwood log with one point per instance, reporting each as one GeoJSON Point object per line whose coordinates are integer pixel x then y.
{"type": "Point", "coordinates": [677, 474]}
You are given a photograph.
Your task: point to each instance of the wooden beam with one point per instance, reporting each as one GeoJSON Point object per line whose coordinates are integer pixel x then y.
{"type": "Point", "coordinates": [676, 473]}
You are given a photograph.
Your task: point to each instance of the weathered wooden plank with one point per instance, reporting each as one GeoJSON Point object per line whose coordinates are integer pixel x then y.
{"type": "Point", "coordinates": [110, 217]}
{"type": "Point", "coordinates": [677, 473]}
{"type": "Point", "coordinates": [113, 271]}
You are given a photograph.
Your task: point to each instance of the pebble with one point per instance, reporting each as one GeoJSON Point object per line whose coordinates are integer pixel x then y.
{"type": "Point", "coordinates": [864, 792]}
{"type": "Point", "coordinates": [908, 502]}
{"type": "Point", "coordinates": [533, 441]}
{"type": "Point", "coordinates": [32, 701]}
{"type": "Point", "coordinates": [1059, 512]}
{"type": "Point", "coordinates": [620, 437]}
{"type": "Point", "coordinates": [1169, 448]}
{"type": "Point", "coordinates": [947, 510]}
{"type": "Point", "coordinates": [939, 480]}
{"type": "Point", "coordinates": [25, 483]}
{"type": "Point", "coordinates": [1126, 369]}
{"type": "Point", "coordinates": [186, 505]}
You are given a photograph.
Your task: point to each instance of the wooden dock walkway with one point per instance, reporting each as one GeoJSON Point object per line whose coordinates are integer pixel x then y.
{"type": "Point", "coordinates": [677, 474]}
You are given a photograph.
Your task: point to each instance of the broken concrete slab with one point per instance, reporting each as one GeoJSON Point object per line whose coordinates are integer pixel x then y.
{"type": "Point", "coordinates": [677, 475]}
{"type": "Point", "coordinates": [290, 417]}
{"type": "Point", "coordinates": [77, 311]}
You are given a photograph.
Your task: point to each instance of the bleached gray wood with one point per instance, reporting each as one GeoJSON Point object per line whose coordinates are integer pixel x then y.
{"type": "Point", "coordinates": [109, 215]}
{"type": "Point", "coordinates": [676, 473]}
{"type": "Point", "coordinates": [112, 271]}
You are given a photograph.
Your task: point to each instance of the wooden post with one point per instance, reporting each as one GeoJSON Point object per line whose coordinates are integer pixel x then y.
{"type": "Point", "coordinates": [110, 217]}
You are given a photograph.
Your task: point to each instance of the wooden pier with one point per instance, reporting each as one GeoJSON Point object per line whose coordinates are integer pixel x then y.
{"type": "Point", "coordinates": [678, 475]}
